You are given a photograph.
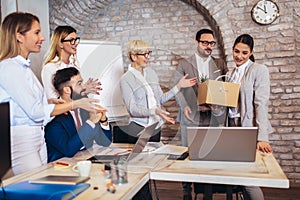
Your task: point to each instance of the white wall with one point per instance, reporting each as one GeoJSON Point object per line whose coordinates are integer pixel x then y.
{"type": "Point", "coordinates": [40, 8]}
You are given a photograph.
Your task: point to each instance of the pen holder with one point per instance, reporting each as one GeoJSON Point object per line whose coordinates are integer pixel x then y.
{"type": "Point", "coordinates": [118, 172]}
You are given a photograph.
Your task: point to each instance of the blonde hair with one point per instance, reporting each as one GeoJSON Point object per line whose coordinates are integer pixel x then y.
{"type": "Point", "coordinates": [136, 46]}
{"type": "Point", "coordinates": [61, 32]}
{"type": "Point", "coordinates": [17, 22]}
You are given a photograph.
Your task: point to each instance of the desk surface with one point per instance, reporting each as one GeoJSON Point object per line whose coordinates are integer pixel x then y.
{"type": "Point", "coordinates": [138, 173]}
{"type": "Point", "coordinates": [264, 172]}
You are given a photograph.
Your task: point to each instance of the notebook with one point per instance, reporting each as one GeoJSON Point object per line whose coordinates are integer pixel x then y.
{"type": "Point", "coordinates": [222, 143]}
{"type": "Point", "coordinates": [144, 137]}
{"type": "Point", "coordinates": [54, 179]}
{"type": "Point", "coordinates": [33, 191]}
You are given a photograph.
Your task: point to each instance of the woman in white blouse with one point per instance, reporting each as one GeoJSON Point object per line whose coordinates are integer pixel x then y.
{"type": "Point", "coordinates": [29, 109]}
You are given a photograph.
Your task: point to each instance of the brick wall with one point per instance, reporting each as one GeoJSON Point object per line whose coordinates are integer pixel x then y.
{"type": "Point", "coordinates": [170, 26]}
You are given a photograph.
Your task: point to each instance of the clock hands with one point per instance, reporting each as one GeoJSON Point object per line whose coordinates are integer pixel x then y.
{"type": "Point", "coordinates": [264, 9]}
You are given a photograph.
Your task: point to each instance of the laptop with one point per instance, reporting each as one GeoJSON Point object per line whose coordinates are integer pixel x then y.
{"type": "Point", "coordinates": [237, 144]}
{"type": "Point", "coordinates": [5, 149]}
{"type": "Point", "coordinates": [144, 137]}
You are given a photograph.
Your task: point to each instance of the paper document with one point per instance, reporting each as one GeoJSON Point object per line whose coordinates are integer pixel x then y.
{"type": "Point", "coordinates": [171, 149]}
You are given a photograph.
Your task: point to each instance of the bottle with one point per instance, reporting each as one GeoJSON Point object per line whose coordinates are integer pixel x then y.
{"type": "Point", "coordinates": [122, 168]}
{"type": "Point", "coordinates": [114, 171]}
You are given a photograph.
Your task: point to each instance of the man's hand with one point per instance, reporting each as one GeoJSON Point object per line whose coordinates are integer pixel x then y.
{"type": "Point", "coordinates": [184, 82]}
{"type": "Point", "coordinates": [98, 114]}
{"type": "Point", "coordinates": [92, 86]}
{"type": "Point", "coordinates": [187, 112]}
{"type": "Point", "coordinates": [203, 108]}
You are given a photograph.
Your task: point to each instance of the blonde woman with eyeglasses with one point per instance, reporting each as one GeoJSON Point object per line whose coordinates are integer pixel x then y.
{"type": "Point", "coordinates": [62, 54]}
{"type": "Point", "coordinates": [140, 87]}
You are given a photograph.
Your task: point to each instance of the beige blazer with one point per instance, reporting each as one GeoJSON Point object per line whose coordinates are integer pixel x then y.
{"type": "Point", "coordinates": [188, 96]}
{"type": "Point", "coordinates": [254, 99]}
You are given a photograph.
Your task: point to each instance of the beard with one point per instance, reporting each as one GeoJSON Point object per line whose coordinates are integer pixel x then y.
{"type": "Point", "coordinates": [76, 96]}
{"type": "Point", "coordinates": [204, 53]}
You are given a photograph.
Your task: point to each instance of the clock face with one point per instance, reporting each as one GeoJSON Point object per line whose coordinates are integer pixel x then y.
{"type": "Point", "coordinates": [265, 12]}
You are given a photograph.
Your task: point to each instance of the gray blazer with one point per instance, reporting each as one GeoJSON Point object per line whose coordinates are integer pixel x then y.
{"type": "Point", "coordinates": [134, 95]}
{"type": "Point", "coordinates": [188, 96]}
{"type": "Point", "coordinates": [254, 99]}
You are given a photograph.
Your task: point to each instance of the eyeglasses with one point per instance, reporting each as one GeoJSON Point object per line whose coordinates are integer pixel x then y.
{"type": "Point", "coordinates": [72, 41]}
{"type": "Point", "coordinates": [206, 43]}
{"type": "Point", "coordinates": [146, 55]}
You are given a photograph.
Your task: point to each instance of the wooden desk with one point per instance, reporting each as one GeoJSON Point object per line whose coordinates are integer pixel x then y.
{"type": "Point", "coordinates": [264, 172]}
{"type": "Point", "coordinates": [138, 174]}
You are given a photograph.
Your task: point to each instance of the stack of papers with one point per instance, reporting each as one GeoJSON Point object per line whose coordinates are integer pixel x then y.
{"type": "Point", "coordinates": [169, 149]}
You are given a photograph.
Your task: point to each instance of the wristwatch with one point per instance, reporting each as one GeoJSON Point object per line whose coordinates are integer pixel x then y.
{"type": "Point", "coordinates": [103, 121]}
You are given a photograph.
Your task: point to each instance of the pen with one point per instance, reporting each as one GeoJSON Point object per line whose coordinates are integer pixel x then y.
{"type": "Point", "coordinates": [122, 152]}
{"type": "Point", "coordinates": [62, 163]}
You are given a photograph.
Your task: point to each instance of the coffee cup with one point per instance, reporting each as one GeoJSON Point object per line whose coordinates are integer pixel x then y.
{"type": "Point", "coordinates": [83, 168]}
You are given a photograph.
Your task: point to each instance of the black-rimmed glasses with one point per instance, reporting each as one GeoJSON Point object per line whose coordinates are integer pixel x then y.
{"type": "Point", "coordinates": [146, 55]}
{"type": "Point", "coordinates": [72, 41]}
{"type": "Point", "coordinates": [206, 43]}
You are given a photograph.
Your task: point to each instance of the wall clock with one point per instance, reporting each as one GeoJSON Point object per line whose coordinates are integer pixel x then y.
{"type": "Point", "coordinates": [265, 12]}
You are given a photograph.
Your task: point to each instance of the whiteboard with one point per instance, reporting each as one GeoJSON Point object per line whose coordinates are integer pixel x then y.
{"type": "Point", "coordinates": [103, 60]}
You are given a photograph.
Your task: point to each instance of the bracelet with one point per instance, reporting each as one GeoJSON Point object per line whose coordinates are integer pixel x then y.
{"type": "Point", "coordinates": [103, 121]}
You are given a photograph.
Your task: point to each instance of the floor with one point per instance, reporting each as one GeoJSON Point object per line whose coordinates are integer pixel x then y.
{"type": "Point", "coordinates": [172, 191]}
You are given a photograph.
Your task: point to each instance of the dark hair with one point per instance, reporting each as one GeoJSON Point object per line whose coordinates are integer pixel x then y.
{"type": "Point", "coordinates": [62, 76]}
{"type": "Point", "coordinates": [248, 40]}
{"type": "Point", "coordinates": [203, 31]}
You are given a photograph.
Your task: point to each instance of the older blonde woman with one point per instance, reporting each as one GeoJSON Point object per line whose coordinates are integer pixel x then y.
{"type": "Point", "coordinates": [140, 87]}
{"type": "Point", "coordinates": [143, 95]}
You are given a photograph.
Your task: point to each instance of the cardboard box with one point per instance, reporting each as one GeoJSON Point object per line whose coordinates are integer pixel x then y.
{"type": "Point", "coordinates": [219, 93]}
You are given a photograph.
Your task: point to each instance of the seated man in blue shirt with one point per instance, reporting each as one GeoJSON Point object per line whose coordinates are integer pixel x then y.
{"type": "Point", "coordinates": [68, 133]}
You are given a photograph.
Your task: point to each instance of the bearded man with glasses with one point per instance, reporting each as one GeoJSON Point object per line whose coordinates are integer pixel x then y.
{"type": "Point", "coordinates": [203, 66]}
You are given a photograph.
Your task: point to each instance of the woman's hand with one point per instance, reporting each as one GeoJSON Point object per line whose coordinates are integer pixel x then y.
{"type": "Point", "coordinates": [164, 115]}
{"type": "Point", "coordinates": [88, 105]}
{"type": "Point", "coordinates": [56, 101]}
{"type": "Point", "coordinates": [184, 82]}
{"type": "Point", "coordinates": [92, 86]}
{"type": "Point", "coordinates": [264, 147]}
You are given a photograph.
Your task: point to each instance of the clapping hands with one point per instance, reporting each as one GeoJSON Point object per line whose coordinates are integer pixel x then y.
{"type": "Point", "coordinates": [93, 86]}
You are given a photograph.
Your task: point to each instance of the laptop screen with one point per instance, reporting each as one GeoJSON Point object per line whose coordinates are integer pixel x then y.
{"type": "Point", "coordinates": [139, 146]}
{"type": "Point", "coordinates": [5, 156]}
{"type": "Point", "coordinates": [222, 143]}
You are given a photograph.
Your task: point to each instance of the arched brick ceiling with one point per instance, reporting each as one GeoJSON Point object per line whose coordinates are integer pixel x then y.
{"type": "Point", "coordinates": [85, 11]}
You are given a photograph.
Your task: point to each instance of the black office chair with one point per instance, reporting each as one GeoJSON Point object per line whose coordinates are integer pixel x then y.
{"type": "Point", "coordinates": [128, 133]}
{"type": "Point", "coordinates": [209, 189]}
